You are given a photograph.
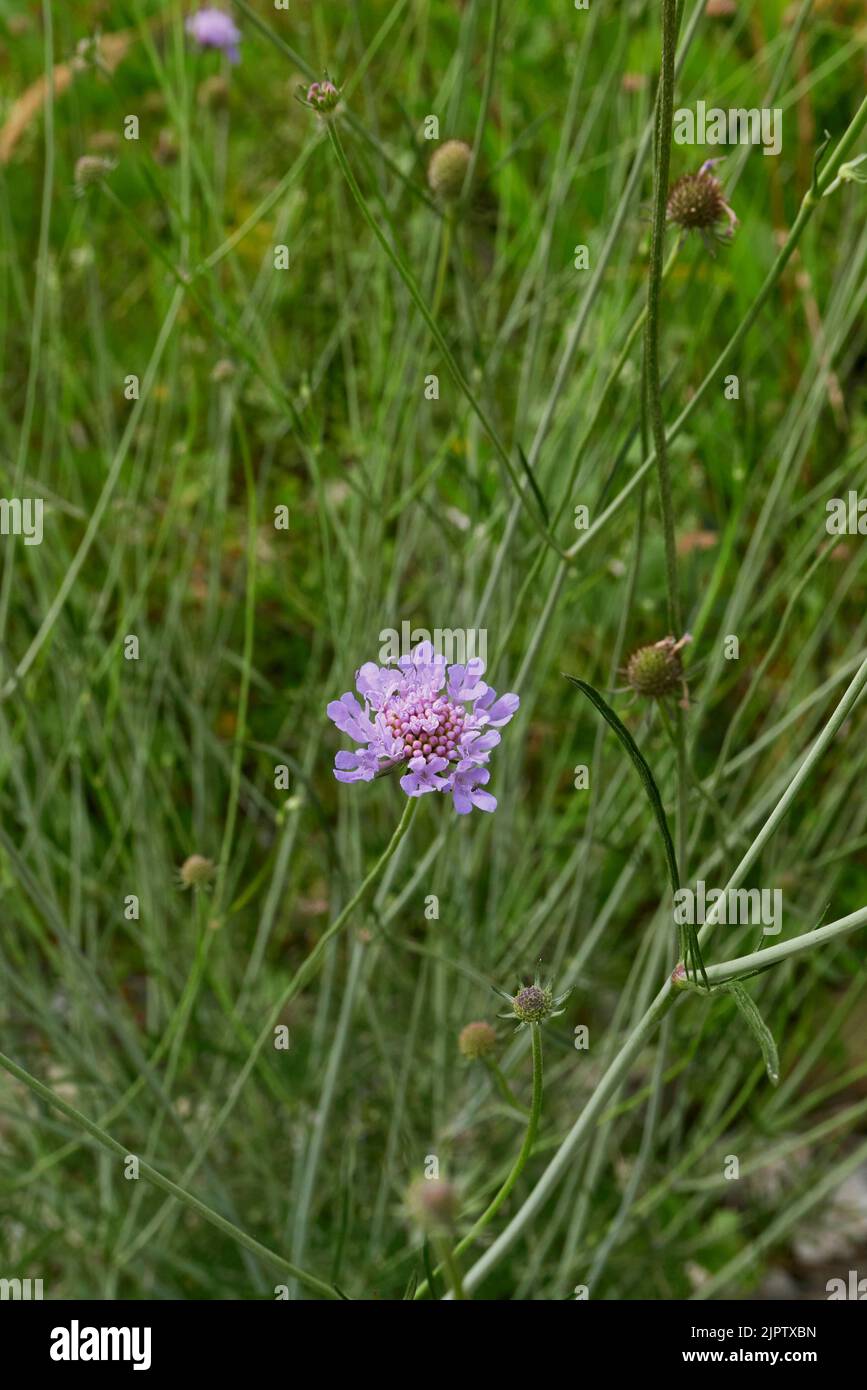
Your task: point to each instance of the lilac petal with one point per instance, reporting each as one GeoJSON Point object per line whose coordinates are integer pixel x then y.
{"type": "Point", "coordinates": [476, 746]}
{"type": "Point", "coordinates": [376, 684]}
{"type": "Point", "coordinates": [484, 801]}
{"type": "Point", "coordinates": [350, 718]}
{"type": "Point", "coordinates": [464, 681]}
{"type": "Point", "coordinates": [497, 712]}
{"type": "Point", "coordinates": [354, 766]}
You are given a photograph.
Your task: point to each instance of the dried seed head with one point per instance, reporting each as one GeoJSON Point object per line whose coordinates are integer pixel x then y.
{"type": "Point", "coordinates": [477, 1040]}
{"type": "Point", "coordinates": [91, 169]}
{"type": "Point", "coordinates": [447, 170]}
{"type": "Point", "coordinates": [196, 871]}
{"type": "Point", "coordinates": [657, 671]}
{"type": "Point", "coordinates": [696, 202]}
{"type": "Point", "coordinates": [433, 1203]}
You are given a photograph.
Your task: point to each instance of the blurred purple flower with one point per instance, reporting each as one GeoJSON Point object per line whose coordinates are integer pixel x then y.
{"type": "Point", "coordinates": [213, 28]}
{"type": "Point", "coordinates": [440, 723]}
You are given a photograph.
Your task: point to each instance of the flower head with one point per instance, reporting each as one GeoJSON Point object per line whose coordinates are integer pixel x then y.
{"type": "Point", "coordinates": [697, 203]}
{"type": "Point", "coordinates": [196, 871]}
{"type": "Point", "coordinates": [91, 169]}
{"type": "Point", "coordinates": [322, 96]}
{"type": "Point", "coordinates": [439, 723]}
{"type": "Point", "coordinates": [657, 671]}
{"type": "Point", "coordinates": [534, 1003]}
{"type": "Point", "coordinates": [213, 28]}
{"type": "Point", "coordinates": [477, 1040]}
{"type": "Point", "coordinates": [433, 1204]}
{"type": "Point", "coordinates": [447, 170]}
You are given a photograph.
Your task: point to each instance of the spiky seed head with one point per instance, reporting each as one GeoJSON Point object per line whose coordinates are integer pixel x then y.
{"type": "Point", "coordinates": [433, 1204]}
{"type": "Point", "coordinates": [196, 870]}
{"type": "Point", "coordinates": [656, 671]}
{"type": "Point", "coordinates": [696, 202]}
{"type": "Point", "coordinates": [477, 1040]}
{"type": "Point", "coordinates": [534, 1003]}
{"type": "Point", "coordinates": [447, 170]}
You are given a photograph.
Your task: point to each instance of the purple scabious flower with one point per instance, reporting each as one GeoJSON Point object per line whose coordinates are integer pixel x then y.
{"type": "Point", "coordinates": [440, 722]}
{"type": "Point", "coordinates": [213, 28]}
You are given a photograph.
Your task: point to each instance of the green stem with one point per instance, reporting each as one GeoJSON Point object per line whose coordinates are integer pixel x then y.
{"type": "Point", "coordinates": [520, 1162]}
{"type": "Point", "coordinates": [165, 1184]}
{"type": "Point", "coordinates": [503, 1086]}
{"type": "Point", "coordinates": [445, 249]}
{"type": "Point", "coordinates": [301, 977]}
{"type": "Point", "coordinates": [772, 955]}
{"type": "Point", "coordinates": [408, 279]}
{"type": "Point", "coordinates": [809, 203]}
{"type": "Point", "coordinates": [665, 109]}
{"type": "Point", "coordinates": [592, 1111]}
{"type": "Point", "coordinates": [449, 1263]}
{"type": "Point", "coordinates": [657, 1010]}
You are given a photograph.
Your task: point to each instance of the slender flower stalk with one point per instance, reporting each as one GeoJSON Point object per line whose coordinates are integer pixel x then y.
{"type": "Point", "coordinates": [659, 1007]}
{"type": "Point", "coordinates": [809, 203]}
{"type": "Point", "coordinates": [520, 1162]}
{"type": "Point", "coordinates": [408, 279]}
{"type": "Point", "coordinates": [665, 114]}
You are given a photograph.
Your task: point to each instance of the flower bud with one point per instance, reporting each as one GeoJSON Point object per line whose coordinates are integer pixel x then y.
{"type": "Point", "coordinates": [323, 96]}
{"type": "Point", "coordinates": [196, 871]}
{"type": "Point", "coordinates": [657, 671]}
{"type": "Point", "coordinates": [91, 169]}
{"type": "Point", "coordinates": [477, 1040]}
{"type": "Point", "coordinates": [433, 1204]}
{"type": "Point", "coordinates": [447, 170]}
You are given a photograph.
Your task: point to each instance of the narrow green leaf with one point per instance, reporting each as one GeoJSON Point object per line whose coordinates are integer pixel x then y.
{"type": "Point", "coordinates": [531, 479]}
{"type": "Point", "coordinates": [653, 796]}
{"type": "Point", "coordinates": [759, 1029]}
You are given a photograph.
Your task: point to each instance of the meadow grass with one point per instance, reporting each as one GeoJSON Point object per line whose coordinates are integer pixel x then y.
{"type": "Point", "coordinates": [304, 388]}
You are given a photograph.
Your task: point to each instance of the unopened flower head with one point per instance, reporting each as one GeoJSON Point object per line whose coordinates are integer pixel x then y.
{"type": "Point", "coordinates": [657, 671]}
{"type": "Point", "coordinates": [196, 871]}
{"type": "Point", "coordinates": [477, 1040]}
{"type": "Point", "coordinates": [697, 203]}
{"type": "Point", "coordinates": [322, 96]}
{"type": "Point", "coordinates": [535, 1003]}
{"type": "Point", "coordinates": [213, 28]}
{"type": "Point", "coordinates": [433, 1204]}
{"type": "Point", "coordinates": [440, 723]}
{"type": "Point", "coordinates": [447, 170]}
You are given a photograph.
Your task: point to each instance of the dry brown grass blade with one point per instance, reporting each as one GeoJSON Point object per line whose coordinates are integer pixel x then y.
{"type": "Point", "coordinates": [112, 50]}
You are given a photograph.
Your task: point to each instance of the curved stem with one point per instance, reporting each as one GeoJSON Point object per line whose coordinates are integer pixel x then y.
{"type": "Point", "coordinates": [503, 1086]}
{"type": "Point", "coordinates": [607, 1086]}
{"type": "Point", "coordinates": [520, 1162]}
